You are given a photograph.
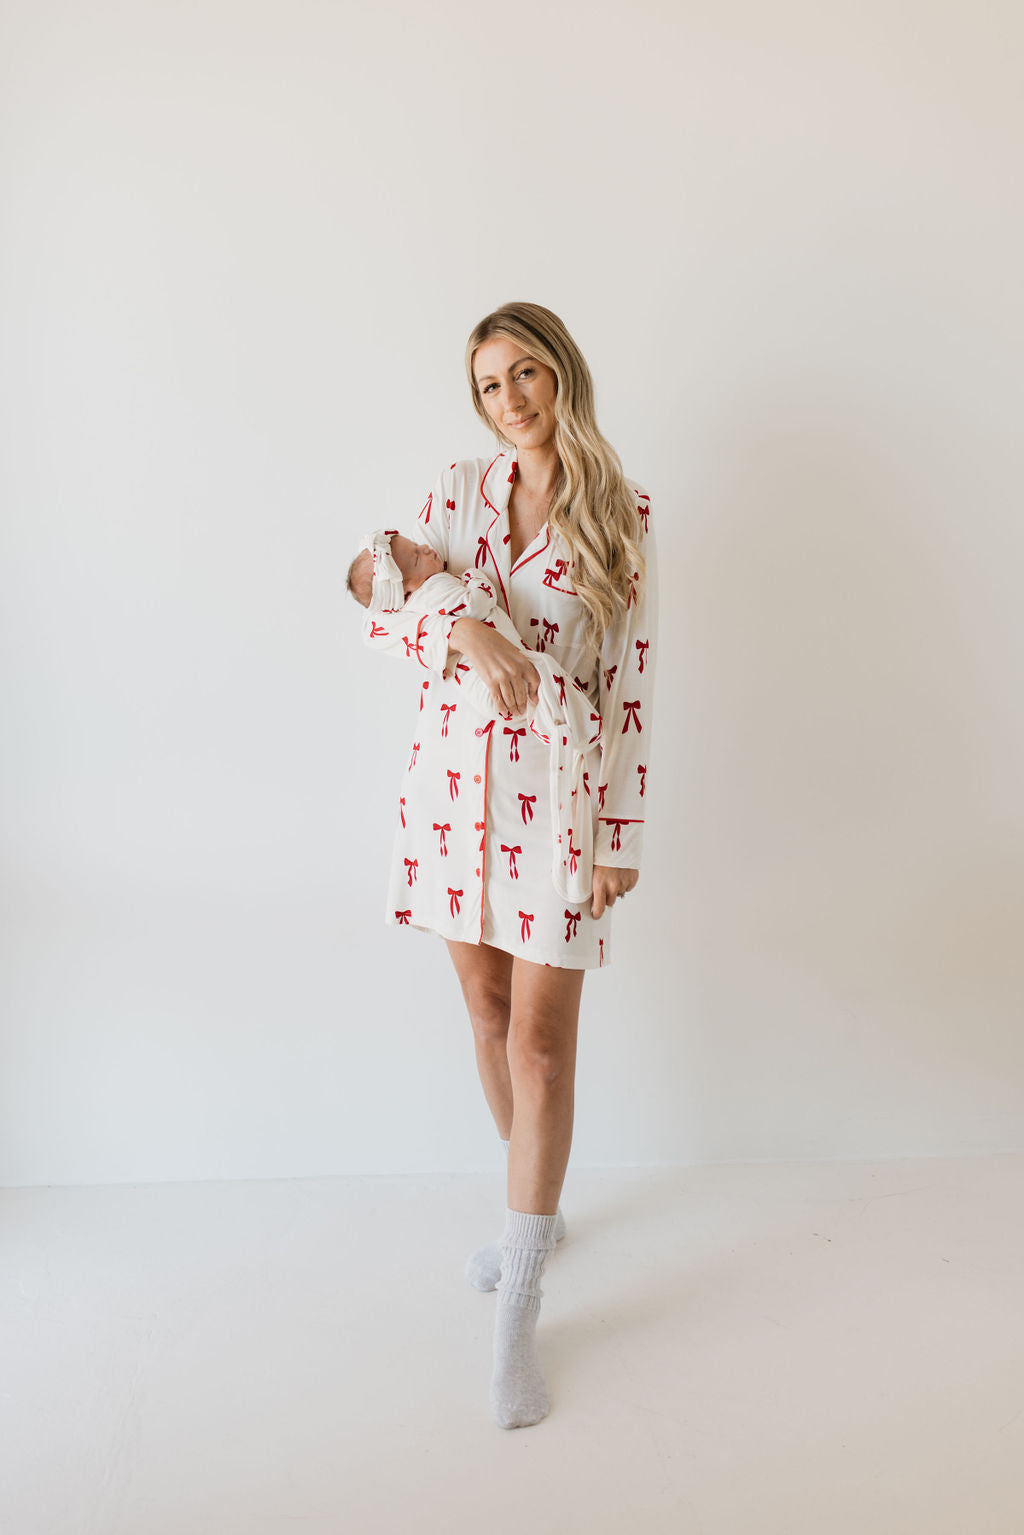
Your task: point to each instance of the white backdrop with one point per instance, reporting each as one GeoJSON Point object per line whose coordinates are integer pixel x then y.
{"type": "Point", "coordinates": [243, 246]}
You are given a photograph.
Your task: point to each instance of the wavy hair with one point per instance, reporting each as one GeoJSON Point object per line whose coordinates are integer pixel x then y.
{"type": "Point", "coordinates": [592, 506]}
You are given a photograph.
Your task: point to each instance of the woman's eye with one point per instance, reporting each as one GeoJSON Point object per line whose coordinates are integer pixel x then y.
{"type": "Point", "coordinates": [524, 371]}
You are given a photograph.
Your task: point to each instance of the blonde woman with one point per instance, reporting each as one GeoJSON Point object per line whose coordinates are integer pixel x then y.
{"type": "Point", "coordinates": [568, 543]}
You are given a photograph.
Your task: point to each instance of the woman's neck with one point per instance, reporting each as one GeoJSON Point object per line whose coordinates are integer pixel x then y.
{"type": "Point", "coordinates": [537, 471]}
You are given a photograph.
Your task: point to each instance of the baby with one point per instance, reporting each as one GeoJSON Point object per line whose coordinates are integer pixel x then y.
{"type": "Point", "coordinates": [393, 574]}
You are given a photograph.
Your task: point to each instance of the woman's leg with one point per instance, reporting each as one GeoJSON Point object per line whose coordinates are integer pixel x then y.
{"type": "Point", "coordinates": [485, 975]}
{"type": "Point", "coordinates": [545, 1005]}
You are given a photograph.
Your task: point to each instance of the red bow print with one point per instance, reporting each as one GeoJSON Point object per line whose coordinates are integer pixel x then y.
{"type": "Point", "coordinates": [632, 713]}
{"type": "Point", "coordinates": [643, 512]}
{"type": "Point", "coordinates": [377, 631]}
{"type": "Point", "coordinates": [450, 505]}
{"type": "Point", "coordinates": [560, 684]}
{"type": "Point", "coordinates": [586, 783]}
{"type": "Point", "coordinates": [609, 674]}
{"type": "Point", "coordinates": [460, 666]}
{"type": "Point", "coordinates": [447, 710]}
{"type": "Point", "coordinates": [600, 946]}
{"type": "Point", "coordinates": [574, 853]}
{"type": "Point", "coordinates": [453, 904]}
{"type": "Point", "coordinates": [425, 687]}
{"type": "Point", "coordinates": [550, 630]}
{"type": "Point", "coordinates": [643, 646]}
{"type": "Point", "coordinates": [442, 829]}
{"type": "Point", "coordinates": [403, 917]}
{"type": "Point", "coordinates": [572, 922]}
{"type": "Point", "coordinates": [581, 685]}
{"type": "Point", "coordinates": [479, 826]}
{"type": "Point", "coordinates": [401, 808]}
{"type": "Point", "coordinates": [413, 648]}
{"type": "Point", "coordinates": [634, 578]}
{"type": "Point", "coordinates": [426, 508]}
{"type": "Point", "coordinates": [412, 866]}
{"type": "Point", "coordinates": [524, 930]}
{"type": "Point", "coordinates": [602, 790]}
{"type": "Point", "coordinates": [453, 783]}
{"type": "Point", "coordinates": [642, 770]}
{"type": "Point", "coordinates": [513, 745]}
{"type": "Point", "coordinates": [415, 749]}
{"type": "Point", "coordinates": [481, 551]}
{"type": "Point", "coordinates": [617, 833]}
{"type": "Point", "coordinates": [555, 574]}
{"type": "Point", "coordinates": [513, 872]}
{"type": "Point", "coordinates": [527, 802]}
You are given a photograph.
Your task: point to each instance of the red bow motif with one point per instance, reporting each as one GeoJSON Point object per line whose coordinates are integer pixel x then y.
{"type": "Point", "coordinates": [525, 929]}
{"type": "Point", "coordinates": [556, 572]}
{"type": "Point", "coordinates": [642, 770]}
{"type": "Point", "coordinates": [412, 868]}
{"type": "Point", "coordinates": [617, 833]}
{"type": "Point", "coordinates": [413, 647]}
{"type": "Point", "coordinates": [426, 508]}
{"type": "Point", "coordinates": [643, 512]}
{"type": "Point", "coordinates": [634, 578]}
{"type": "Point", "coordinates": [425, 687]}
{"type": "Point", "coordinates": [513, 872]}
{"type": "Point", "coordinates": [403, 917]}
{"type": "Point", "coordinates": [586, 783]}
{"type": "Point", "coordinates": [377, 631]}
{"type": "Point", "coordinates": [447, 710]}
{"type": "Point", "coordinates": [513, 745]}
{"type": "Point", "coordinates": [443, 829]}
{"type": "Point", "coordinates": [602, 790]}
{"type": "Point", "coordinates": [453, 782]}
{"type": "Point", "coordinates": [643, 646]}
{"type": "Point", "coordinates": [572, 922]}
{"type": "Point", "coordinates": [453, 904]}
{"type": "Point", "coordinates": [450, 505]}
{"type": "Point", "coordinates": [574, 853]}
{"type": "Point", "coordinates": [560, 684]}
{"type": "Point", "coordinates": [550, 630]}
{"type": "Point", "coordinates": [600, 946]}
{"type": "Point", "coordinates": [481, 551]}
{"type": "Point", "coordinates": [479, 826]}
{"type": "Point", "coordinates": [526, 804]}
{"type": "Point", "coordinates": [609, 674]}
{"type": "Point", "coordinates": [401, 808]}
{"type": "Point", "coordinates": [460, 666]}
{"type": "Point", "coordinates": [632, 713]}
{"type": "Point", "coordinates": [581, 685]}
{"type": "Point", "coordinates": [415, 749]}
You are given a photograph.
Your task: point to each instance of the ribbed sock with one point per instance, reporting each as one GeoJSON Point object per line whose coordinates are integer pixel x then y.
{"type": "Point", "coordinates": [483, 1267]}
{"type": "Point", "coordinates": [519, 1393]}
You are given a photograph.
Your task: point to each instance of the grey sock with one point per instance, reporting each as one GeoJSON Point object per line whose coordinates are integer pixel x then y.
{"type": "Point", "coordinates": [519, 1393]}
{"type": "Point", "coordinates": [483, 1267]}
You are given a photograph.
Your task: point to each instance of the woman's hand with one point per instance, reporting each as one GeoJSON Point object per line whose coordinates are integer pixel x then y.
{"type": "Point", "coordinates": [506, 668]}
{"type": "Point", "coordinates": [609, 885]}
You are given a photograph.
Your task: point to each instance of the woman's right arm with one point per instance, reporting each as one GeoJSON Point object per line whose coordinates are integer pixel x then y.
{"type": "Point", "coordinates": [505, 668]}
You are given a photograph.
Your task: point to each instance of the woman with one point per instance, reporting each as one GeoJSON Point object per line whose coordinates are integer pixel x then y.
{"type": "Point", "coordinates": [568, 542]}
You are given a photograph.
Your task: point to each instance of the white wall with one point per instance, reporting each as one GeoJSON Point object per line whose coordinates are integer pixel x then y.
{"type": "Point", "coordinates": [243, 247]}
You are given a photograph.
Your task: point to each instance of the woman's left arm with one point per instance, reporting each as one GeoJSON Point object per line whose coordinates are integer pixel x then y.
{"type": "Point", "coordinates": [626, 689]}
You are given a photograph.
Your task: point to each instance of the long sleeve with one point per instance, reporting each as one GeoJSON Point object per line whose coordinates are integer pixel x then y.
{"type": "Point", "coordinates": [626, 689]}
{"type": "Point", "coordinates": [419, 637]}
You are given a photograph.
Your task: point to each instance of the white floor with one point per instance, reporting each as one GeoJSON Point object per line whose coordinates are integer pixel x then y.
{"type": "Point", "coordinates": [808, 1349]}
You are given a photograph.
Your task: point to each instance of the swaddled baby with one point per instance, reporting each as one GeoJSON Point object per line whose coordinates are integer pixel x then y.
{"type": "Point", "coordinates": [393, 574]}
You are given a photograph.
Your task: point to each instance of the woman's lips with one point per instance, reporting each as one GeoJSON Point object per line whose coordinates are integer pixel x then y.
{"type": "Point", "coordinates": [516, 424]}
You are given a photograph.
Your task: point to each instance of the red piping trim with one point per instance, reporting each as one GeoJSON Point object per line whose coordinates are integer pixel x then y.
{"type": "Point", "coordinates": [483, 850]}
{"type": "Point", "coordinates": [524, 559]}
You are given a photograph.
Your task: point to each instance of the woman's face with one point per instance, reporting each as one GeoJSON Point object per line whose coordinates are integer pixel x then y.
{"type": "Point", "coordinates": [517, 391]}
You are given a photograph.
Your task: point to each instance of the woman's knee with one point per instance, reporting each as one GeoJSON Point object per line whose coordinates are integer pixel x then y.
{"type": "Point", "coordinates": [541, 1053]}
{"type": "Point", "coordinates": [489, 1010]}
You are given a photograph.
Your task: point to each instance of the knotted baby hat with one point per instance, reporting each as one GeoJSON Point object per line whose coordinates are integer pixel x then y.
{"type": "Point", "coordinates": [388, 593]}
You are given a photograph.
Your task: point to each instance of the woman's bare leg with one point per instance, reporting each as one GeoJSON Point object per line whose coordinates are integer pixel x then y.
{"type": "Point", "coordinates": [545, 1005]}
{"type": "Point", "coordinates": [485, 975]}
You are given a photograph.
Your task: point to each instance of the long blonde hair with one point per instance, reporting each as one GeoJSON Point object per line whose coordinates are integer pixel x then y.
{"type": "Point", "coordinates": [592, 507]}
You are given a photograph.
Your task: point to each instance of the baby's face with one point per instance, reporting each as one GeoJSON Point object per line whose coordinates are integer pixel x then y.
{"type": "Point", "coordinates": [417, 562]}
